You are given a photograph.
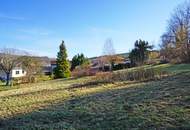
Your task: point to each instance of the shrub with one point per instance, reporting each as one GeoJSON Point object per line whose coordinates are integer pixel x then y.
{"type": "Point", "coordinates": [43, 77]}
{"type": "Point", "coordinates": [25, 79]}
{"type": "Point", "coordinates": [104, 77]}
{"type": "Point", "coordinates": [141, 74]}
{"type": "Point", "coordinates": [121, 66]}
{"type": "Point", "coordinates": [81, 71]}
{"type": "Point", "coordinates": [30, 79]}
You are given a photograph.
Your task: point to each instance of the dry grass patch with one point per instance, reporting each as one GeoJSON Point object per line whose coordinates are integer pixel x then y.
{"type": "Point", "coordinates": [74, 105]}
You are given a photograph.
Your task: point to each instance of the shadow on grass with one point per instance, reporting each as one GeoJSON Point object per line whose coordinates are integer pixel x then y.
{"type": "Point", "coordinates": [161, 104]}
{"type": "Point", "coordinates": [89, 84]}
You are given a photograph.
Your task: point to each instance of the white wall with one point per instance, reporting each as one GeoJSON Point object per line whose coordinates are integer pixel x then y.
{"type": "Point", "coordinates": [15, 73]}
{"type": "Point", "coordinates": [18, 73]}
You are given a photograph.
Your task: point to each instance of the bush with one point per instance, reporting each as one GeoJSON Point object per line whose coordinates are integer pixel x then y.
{"type": "Point", "coordinates": [141, 74]}
{"type": "Point", "coordinates": [103, 77]}
{"type": "Point", "coordinates": [81, 71]}
{"type": "Point", "coordinates": [25, 79]}
{"type": "Point", "coordinates": [43, 78]}
{"type": "Point", "coordinates": [121, 66]}
{"type": "Point", "coordinates": [30, 79]}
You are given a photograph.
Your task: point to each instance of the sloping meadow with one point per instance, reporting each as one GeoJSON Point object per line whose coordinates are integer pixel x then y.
{"type": "Point", "coordinates": [122, 103]}
{"type": "Point", "coordinates": [140, 74]}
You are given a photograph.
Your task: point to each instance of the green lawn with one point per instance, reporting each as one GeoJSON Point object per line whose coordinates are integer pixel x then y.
{"type": "Point", "coordinates": [74, 105]}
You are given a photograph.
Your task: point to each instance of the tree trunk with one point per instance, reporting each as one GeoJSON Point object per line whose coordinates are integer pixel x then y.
{"type": "Point", "coordinates": [8, 79]}
{"type": "Point", "coordinates": [112, 66]}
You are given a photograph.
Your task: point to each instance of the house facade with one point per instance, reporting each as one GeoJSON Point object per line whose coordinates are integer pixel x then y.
{"type": "Point", "coordinates": [102, 64]}
{"type": "Point", "coordinates": [48, 65]}
{"type": "Point", "coordinates": [47, 69]}
{"type": "Point", "coordinates": [15, 73]}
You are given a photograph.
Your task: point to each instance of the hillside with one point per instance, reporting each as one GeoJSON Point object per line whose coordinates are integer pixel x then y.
{"type": "Point", "coordinates": [124, 55]}
{"type": "Point", "coordinates": [71, 104]}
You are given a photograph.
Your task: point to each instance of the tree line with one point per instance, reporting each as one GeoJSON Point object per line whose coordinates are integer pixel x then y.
{"type": "Point", "coordinates": [174, 48]}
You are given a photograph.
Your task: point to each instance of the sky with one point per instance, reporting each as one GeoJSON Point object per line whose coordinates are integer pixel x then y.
{"type": "Point", "coordinates": [39, 26]}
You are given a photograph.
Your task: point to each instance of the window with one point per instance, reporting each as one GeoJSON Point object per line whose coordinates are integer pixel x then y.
{"type": "Point", "coordinates": [17, 72]}
{"type": "Point", "coordinates": [23, 71]}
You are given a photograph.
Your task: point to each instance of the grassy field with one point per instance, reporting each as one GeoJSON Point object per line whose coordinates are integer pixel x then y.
{"type": "Point", "coordinates": [74, 105]}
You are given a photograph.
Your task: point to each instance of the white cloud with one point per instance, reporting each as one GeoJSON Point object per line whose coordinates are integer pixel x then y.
{"type": "Point", "coordinates": [9, 17]}
{"type": "Point", "coordinates": [22, 37]}
{"type": "Point", "coordinates": [36, 31]}
{"type": "Point", "coordinates": [33, 34]}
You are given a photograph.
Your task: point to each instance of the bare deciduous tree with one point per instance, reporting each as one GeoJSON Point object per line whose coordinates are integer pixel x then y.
{"type": "Point", "coordinates": [32, 66]}
{"type": "Point", "coordinates": [175, 42]}
{"type": "Point", "coordinates": [9, 59]}
{"type": "Point", "coordinates": [109, 53]}
{"type": "Point", "coordinates": [108, 48]}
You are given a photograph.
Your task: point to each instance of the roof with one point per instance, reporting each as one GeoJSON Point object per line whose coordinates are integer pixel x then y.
{"type": "Point", "coordinates": [53, 62]}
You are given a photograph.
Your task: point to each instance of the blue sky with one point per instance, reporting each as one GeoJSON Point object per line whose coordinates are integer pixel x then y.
{"type": "Point", "coordinates": [38, 26]}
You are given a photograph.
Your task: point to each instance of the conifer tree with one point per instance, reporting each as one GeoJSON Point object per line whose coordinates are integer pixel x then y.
{"type": "Point", "coordinates": [78, 60]}
{"type": "Point", "coordinates": [140, 53]}
{"type": "Point", "coordinates": [63, 68]}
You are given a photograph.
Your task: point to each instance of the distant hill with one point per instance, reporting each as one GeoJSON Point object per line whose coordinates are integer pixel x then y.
{"type": "Point", "coordinates": [124, 55]}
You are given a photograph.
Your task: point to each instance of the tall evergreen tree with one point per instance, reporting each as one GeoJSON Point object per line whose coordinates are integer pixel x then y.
{"type": "Point", "coordinates": [77, 60]}
{"type": "Point", "coordinates": [63, 68]}
{"type": "Point", "coordinates": [140, 53]}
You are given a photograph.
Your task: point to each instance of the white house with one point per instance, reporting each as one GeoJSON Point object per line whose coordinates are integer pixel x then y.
{"type": "Point", "coordinates": [15, 73]}
{"type": "Point", "coordinates": [48, 66]}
